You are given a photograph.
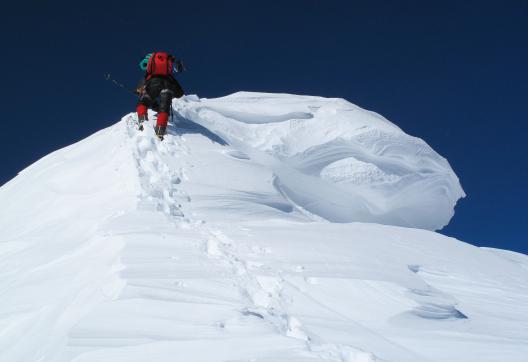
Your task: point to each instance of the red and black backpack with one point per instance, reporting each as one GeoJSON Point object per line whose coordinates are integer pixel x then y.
{"type": "Point", "coordinates": [160, 63]}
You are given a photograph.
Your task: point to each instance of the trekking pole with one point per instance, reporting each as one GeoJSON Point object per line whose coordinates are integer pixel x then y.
{"type": "Point", "coordinates": [108, 76]}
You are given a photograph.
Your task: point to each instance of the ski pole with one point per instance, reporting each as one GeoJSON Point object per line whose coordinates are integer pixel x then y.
{"type": "Point", "coordinates": [108, 76]}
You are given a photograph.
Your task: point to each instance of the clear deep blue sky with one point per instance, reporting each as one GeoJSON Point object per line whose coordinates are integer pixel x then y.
{"type": "Point", "coordinates": [453, 73]}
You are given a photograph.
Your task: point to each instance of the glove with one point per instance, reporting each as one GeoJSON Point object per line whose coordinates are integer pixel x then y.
{"type": "Point", "coordinates": [140, 90]}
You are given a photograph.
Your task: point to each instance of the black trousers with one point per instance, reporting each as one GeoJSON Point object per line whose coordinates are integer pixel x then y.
{"type": "Point", "coordinates": [159, 92]}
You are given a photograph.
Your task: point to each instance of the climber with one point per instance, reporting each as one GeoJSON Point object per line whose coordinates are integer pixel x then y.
{"type": "Point", "coordinates": [157, 89]}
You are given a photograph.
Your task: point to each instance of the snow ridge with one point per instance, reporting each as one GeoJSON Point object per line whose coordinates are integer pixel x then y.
{"type": "Point", "coordinates": [228, 242]}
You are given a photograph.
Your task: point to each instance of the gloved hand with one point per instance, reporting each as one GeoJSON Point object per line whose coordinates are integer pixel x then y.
{"type": "Point", "coordinates": [140, 90]}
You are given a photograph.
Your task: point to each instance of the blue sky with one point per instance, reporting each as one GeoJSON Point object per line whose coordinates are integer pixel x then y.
{"type": "Point", "coordinates": [452, 73]}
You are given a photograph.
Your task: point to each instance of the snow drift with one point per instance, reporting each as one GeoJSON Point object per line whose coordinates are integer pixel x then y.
{"type": "Point", "coordinates": [334, 159]}
{"type": "Point", "coordinates": [221, 244]}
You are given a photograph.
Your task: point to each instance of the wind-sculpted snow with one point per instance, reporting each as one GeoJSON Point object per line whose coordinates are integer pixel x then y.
{"type": "Point", "coordinates": [205, 247]}
{"type": "Point", "coordinates": [333, 159]}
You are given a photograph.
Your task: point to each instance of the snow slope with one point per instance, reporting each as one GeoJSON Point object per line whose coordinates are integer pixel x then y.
{"type": "Point", "coordinates": [243, 237]}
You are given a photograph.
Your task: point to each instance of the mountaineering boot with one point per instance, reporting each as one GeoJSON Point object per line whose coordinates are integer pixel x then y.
{"type": "Point", "coordinates": [160, 132]}
{"type": "Point", "coordinates": [141, 119]}
{"type": "Point", "coordinates": [161, 124]}
{"type": "Point", "coordinates": [142, 114]}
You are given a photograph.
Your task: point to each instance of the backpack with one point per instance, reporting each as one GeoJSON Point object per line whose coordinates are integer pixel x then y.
{"type": "Point", "coordinates": [160, 63]}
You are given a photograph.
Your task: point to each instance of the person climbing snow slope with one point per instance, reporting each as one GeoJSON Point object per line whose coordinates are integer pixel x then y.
{"type": "Point", "coordinates": [157, 89]}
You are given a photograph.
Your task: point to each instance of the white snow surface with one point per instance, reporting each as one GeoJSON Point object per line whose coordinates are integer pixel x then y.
{"type": "Point", "coordinates": [333, 159]}
{"type": "Point", "coordinates": [265, 227]}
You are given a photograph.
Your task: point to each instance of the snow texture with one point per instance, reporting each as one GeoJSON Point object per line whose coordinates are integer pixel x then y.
{"type": "Point", "coordinates": [335, 160]}
{"type": "Point", "coordinates": [264, 227]}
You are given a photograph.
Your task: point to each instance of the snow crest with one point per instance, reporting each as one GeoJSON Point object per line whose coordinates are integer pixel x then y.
{"type": "Point", "coordinates": [334, 159]}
